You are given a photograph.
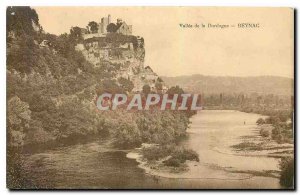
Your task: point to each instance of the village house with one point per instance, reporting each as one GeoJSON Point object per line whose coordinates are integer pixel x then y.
{"type": "Point", "coordinates": [123, 28]}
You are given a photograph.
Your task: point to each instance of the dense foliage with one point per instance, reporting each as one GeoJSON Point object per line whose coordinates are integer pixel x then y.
{"type": "Point", "coordinates": [52, 89]}
{"type": "Point", "coordinates": [19, 20]}
{"type": "Point", "coordinates": [174, 155]}
{"type": "Point", "coordinates": [282, 126]}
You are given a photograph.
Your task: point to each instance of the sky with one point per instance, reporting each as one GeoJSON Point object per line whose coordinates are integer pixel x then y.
{"type": "Point", "coordinates": [174, 51]}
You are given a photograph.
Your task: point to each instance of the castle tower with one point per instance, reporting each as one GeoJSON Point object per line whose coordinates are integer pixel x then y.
{"type": "Point", "coordinates": [109, 19]}
{"type": "Point", "coordinates": [104, 23]}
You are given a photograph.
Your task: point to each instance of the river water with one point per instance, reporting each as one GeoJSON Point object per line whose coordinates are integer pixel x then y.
{"type": "Point", "coordinates": [96, 165]}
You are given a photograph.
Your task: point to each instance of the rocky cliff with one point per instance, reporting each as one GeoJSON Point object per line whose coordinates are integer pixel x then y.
{"type": "Point", "coordinates": [126, 54]}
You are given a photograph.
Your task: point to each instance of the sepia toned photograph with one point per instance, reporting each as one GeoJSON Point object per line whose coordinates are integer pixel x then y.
{"type": "Point", "coordinates": [147, 98]}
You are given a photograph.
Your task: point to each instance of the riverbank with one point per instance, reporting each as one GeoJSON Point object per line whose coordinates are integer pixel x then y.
{"type": "Point", "coordinates": [99, 165]}
{"type": "Point", "coordinates": [96, 166]}
{"type": "Point", "coordinates": [167, 159]}
{"type": "Point", "coordinates": [263, 142]}
{"type": "Point", "coordinates": [259, 146]}
{"type": "Point", "coordinates": [158, 169]}
{"type": "Point", "coordinates": [211, 135]}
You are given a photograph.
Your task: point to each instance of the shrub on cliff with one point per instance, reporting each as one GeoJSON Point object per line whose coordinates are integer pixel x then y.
{"type": "Point", "coordinates": [126, 84]}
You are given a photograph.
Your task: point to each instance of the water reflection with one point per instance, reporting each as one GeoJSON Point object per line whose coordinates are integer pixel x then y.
{"type": "Point", "coordinates": [94, 165]}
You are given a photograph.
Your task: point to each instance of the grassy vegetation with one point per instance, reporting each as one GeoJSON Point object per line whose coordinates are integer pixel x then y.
{"type": "Point", "coordinates": [264, 132]}
{"type": "Point", "coordinates": [247, 146]}
{"type": "Point", "coordinates": [282, 127]}
{"type": "Point", "coordinates": [175, 155]}
{"type": "Point", "coordinates": [282, 132]}
{"type": "Point", "coordinates": [287, 172]}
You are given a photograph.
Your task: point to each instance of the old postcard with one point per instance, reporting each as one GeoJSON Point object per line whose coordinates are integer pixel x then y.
{"type": "Point", "coordinates": [150, 98]}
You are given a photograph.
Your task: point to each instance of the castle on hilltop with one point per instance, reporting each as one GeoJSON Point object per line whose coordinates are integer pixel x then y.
{"type": "Point", "coordinates": [106, 26]}
{"type": "Point", "coordinates": [121, 26]}
{"type": "Point", "coordinates": [109, 44]}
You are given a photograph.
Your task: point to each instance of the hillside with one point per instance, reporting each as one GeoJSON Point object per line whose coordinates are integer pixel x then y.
{"type": "Point", "coordinates": [225, 84]}
{"type": "Point", "coordinates": [53, 82]}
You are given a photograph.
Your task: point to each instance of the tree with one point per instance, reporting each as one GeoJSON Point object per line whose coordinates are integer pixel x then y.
{"type": "Point", "coordinates": [159, 79]}
{"type": "Point", "coordinates": [75, 32]}
{"type": "Point", "coordinates": [93, 26]}
{"type": "Point", "coordinates": [23, 57]}
{"type": "Point", "coordinates": [20, 19]}
{"type": "Point", "coordinates": [75, 119]}
{"type": "Point", "coordinates": [260, 121]}
{"type": "Point", "coordinates": [146, 89]}
{"type": "Point", "coordinates": [108, 86]}
{"type": "Point", "coordinates": [111, 28]}
{"type": "Point", "coordinates": [158, 86]}
{"type": "Point", "coordinates": [126, 132]}
{"type": "Point", "coordinates": [274, 120]}
{"type": "Point", "coordinates": [18, 115]}
{"type": "Point", "coordinates": [175, 90]}
{"type": "Point", "coordinates": [18, 111]}
{"type": "Point", "coordinates": [39, 103]}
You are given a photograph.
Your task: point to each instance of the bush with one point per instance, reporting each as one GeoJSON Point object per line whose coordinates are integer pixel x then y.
{"type": "Point", "coordinates": [282, 134]}
{"type": "Point", "coordinates": [126, 134]}
{"type": "Point", "coordinates": [274, 120]}
{"type": "Point", "coordinates": [177, 155]}
{"type": "Point", "coordinates": [287, 172]}
{"type": "Point", "coordinates": [172, 162]}
{"type": "Point", "coordinates": [264, 132]}
{"type": "Point", "coordinates": [260, 121]}
{"type": "Point", "coordinates": [156, 152]}
{"type": "Point", "coordinates": [183, 154]}
{"type": "Point", "coordinates": [191, 155]}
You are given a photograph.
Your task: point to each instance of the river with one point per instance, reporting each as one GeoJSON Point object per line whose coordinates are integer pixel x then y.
{"type": "Point", "coordinates": [96, 165]}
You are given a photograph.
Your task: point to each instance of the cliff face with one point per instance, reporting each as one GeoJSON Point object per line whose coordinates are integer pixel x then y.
{"type": "Point", "coordinates": [101, 49]}
{"type": "Point", "coordinates": [126, 53]}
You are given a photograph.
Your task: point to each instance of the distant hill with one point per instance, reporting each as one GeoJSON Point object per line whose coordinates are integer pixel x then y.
{"type": "Point", "coordinates": [226, 84]}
